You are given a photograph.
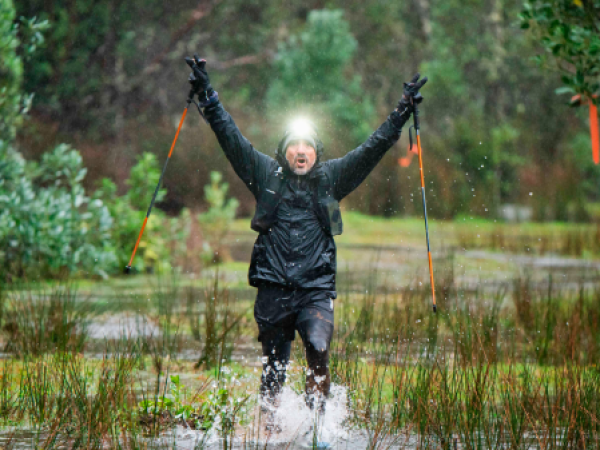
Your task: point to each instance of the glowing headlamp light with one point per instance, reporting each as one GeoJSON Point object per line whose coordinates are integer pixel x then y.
{"type": "Point", "coordinates": [301, 129]}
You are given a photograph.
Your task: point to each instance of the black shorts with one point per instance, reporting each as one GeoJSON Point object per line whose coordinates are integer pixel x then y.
{"type": "Point", "coordinates": [278, 309]}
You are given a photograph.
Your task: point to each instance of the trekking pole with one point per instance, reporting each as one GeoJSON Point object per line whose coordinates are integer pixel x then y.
{"type": "Point", "coordinates": [189, 100]}
{"type": "Point", "coordinates": [416, 126]}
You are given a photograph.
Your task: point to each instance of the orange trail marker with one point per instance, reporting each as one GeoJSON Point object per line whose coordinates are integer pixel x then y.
{"type": "Point", "coordinates": [576, 100]}
{"type": "Point", "coordinates": [594, 132]}
{"type": "Point", "coordinates": [406, 160]}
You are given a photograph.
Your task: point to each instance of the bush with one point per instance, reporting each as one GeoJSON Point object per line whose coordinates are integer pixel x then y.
{"type": "Point", "coordinates": [128, 212]}
{"type": "Point", "coordinates": [47, 224]}
{"type": "Point", "coordinates": [48, 227]}
{"type": "Point", "coordinates": [216, 221]}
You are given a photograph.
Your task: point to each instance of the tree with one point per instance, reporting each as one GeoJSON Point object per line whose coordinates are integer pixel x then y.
{"type": "Point", "coordinates": [47, 224]}
{"type": "Point", "coordinates": [13, 102]}
{"type": "Point", "coordinates": [313, 68]}
{"type": "Point", "coordinates": [569, 30]}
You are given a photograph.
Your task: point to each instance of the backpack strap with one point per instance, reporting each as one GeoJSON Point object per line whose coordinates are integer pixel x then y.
{"type": "Point", "coordinates": [269, 199]}
{"type": "Point", "coordinates": [327, 207]}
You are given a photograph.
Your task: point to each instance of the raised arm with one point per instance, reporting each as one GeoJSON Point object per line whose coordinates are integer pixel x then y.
{"type": "Point", "coordinates": [249, 164]}
{"type": "Point", "coordinates": [351, 170]}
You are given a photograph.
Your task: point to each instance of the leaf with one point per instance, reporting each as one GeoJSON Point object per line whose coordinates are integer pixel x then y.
{"type": "Point", "coordinates": [556, 49]}
{"type": "Point", "coordinates": [564, 90]}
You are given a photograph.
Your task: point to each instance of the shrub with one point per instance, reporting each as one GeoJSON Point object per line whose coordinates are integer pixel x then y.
{"type": "Point", "coordinates": [128, 214]}
{"type": "Point", "coordinates": [46, 221]}
{"type": "Point", "coordinates": [48, 227]}
{"type": "Point", "coordinates": [216, 221]}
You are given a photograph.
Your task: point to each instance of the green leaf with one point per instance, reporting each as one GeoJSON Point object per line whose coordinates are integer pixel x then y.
{"type": "Point", "coordinates": [564, 90]}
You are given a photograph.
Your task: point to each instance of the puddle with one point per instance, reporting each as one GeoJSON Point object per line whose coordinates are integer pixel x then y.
{"type": "Point", "coordinates": [296, 428]}
{"type": "Point", "coordinates": [117, 326]}
{"type": "Point", "coordinates": [539, 262]}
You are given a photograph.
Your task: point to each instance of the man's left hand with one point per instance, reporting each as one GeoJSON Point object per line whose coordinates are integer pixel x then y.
{"type": "Point", "coordinates": [411, 95]}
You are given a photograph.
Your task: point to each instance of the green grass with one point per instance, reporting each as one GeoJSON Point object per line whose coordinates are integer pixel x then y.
{"type": "Point", "coordinates": [376, 230]}
{"type": "Point", "coordinates": [506, 366]}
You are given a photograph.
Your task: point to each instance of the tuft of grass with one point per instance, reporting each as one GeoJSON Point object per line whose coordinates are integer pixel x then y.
{"type": "Point", "coordinates": [214, 323]}
{"type": "Point", "coordinates": [38, 320]}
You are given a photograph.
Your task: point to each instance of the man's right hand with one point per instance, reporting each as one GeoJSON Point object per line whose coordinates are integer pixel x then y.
{"type": "Point", "coordinates": [411, 95]}
{"type": "Point", "coordinates": [199, 77]}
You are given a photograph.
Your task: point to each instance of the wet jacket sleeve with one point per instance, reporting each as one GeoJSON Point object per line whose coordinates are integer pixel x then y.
{"type": "Point", "coordinates": [349, 171]}
{"type": "Point", "coordinates": [249, 164]}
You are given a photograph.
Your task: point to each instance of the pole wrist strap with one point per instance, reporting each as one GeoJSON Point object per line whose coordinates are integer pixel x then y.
{"type": "Point", "coordinates": [205, 100]}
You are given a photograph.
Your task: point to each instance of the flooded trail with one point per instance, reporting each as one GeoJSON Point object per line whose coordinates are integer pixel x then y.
{"type": "Point", "coordinates": [297, 428]}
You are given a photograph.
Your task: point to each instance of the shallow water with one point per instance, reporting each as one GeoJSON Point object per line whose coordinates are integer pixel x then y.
{"type": "Point", "coordinates": [122, 325]}
{"type": "Point", "coordinates": [293, 418]}
{"type": "Point", "coordinates": [294, 421]}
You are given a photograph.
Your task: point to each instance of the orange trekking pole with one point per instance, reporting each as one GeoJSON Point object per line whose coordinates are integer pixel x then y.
{"type": "Point", "coordinates": [416, 126]}
{"type": "Point", "coordinates": [189, 100]}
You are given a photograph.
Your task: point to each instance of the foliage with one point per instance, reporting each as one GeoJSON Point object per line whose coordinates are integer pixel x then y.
{"type": "Point", "coordinates": [569, 30]}
{"type": "Point", "coordinates": [142, 182]}
{"type": "Point", "coordinates": [11, 72]}
{"type": "Point", "coordinates": [202, 410]}
{"type": "Point", "coordinates": [224, 407]}
{"type": "Point", "coordinates": [217, 220]}
{"type": "Point", "coordinates": [47, 223]}
{"type": "Point", "coordinates": [128, 212]}
{"type": "Point", "coordinates": [116, 90]}
{"type": "Point", "coordinates": [179, 406]}
{"type": "Point", "coordinates": [312, 68]}
{"type": "Point", "coordinates": [493, 369]}
{"type": "Point", "coordinates": [13, 103]}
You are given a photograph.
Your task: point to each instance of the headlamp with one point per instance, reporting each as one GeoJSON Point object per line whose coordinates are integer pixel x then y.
{"type": "Point", "coordinates": [301, 129]}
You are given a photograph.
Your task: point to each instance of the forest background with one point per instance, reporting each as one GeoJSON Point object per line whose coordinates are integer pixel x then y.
{"type": "Point", "coordinates": [108, 79]}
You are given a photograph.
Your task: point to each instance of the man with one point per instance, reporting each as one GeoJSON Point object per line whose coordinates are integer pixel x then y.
{"type": "Point", "coordinates": [293, 263]}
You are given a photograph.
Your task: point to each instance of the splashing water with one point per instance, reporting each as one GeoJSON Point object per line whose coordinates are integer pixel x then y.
{"type": "Point", "coordinates": [293, 421]}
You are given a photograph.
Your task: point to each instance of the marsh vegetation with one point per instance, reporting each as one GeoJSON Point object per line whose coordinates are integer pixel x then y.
{"type": "Point", "coordinates": [141, 362]}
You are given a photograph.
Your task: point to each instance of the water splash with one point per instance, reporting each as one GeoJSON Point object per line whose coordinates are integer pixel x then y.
{"type": "Point", "coordinates": [292, 419]}
{"type": "Point", "coordinates": [295, 420]}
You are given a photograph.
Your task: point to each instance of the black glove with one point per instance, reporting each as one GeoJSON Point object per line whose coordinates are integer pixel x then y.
{"type": "Point", "coordinates": [199, 77]}
{"type": "Point", "coordinates": [411, 95]}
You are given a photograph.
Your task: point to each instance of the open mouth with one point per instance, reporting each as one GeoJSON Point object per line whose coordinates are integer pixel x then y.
{"type": "Point", "coordinates": [301, 161]}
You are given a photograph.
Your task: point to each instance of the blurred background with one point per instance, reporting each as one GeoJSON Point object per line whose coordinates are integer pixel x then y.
{"type": "Point", "coordinates": [92, 92]}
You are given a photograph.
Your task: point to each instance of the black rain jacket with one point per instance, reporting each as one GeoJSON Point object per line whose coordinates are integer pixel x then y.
{"type": "Point", "coordinates": [297, 216]}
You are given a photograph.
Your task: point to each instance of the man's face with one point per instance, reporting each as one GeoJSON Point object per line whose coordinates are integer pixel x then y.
{"type": "Point", "coordinates": [301, 157]}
